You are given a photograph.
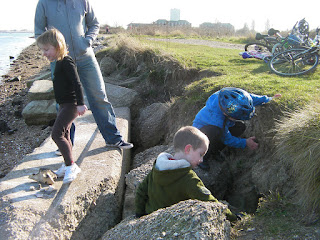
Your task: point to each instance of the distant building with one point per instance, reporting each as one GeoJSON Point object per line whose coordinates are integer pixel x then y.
{"type": "Point", "coordinates": [179, 23]}
{"type": "Point", "coordinates": [217, 26]}
{"type": "Point", "coordinates": [174, 22]}
{"type": "Point", "coordinates": [174, 14]}
{"type": "Point", "coordinates": [161, 22]}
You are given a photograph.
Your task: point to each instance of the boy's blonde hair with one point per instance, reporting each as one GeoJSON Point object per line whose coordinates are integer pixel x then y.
{"type": "Point", "coordinates": [55, 38]}
{"type": "Point", "coordinates": [189, 135]}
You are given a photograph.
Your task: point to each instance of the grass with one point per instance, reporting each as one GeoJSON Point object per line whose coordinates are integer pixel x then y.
{"type": "Point", "coordinates": [250, 74]}
{"type": "Point", "coordinates": [298, 146]}
{"type": "Point", "coordinates": [276, 218]}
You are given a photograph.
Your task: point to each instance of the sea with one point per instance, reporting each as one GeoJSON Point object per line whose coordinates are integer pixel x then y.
{"type": "Point", "coordinates": [11, 45]}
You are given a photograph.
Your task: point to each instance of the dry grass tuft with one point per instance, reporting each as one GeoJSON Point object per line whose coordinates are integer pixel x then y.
{"type": "Point", "coordinates": [131, 53]}
{"type": "Point", "coordinates": [298, 146]}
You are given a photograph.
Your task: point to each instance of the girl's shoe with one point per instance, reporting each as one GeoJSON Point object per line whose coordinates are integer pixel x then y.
{"type": "Point", "coordinates": [61, 171]}
{"type": "Point", "coordinates": [58, 153]}
{"type": "Point", "coordinates": [71, 173]}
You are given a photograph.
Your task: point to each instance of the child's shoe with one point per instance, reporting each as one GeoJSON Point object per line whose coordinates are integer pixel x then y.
{"type": "Point", "coordinates": [61, 171]}
{"type": "Point", "coordinates": [71, 173]}
{"type": "Point", "coordinates": [58, 153]}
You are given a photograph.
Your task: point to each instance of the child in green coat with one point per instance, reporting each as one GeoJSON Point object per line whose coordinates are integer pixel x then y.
{"type": "Point", "coordinates": [172, 179]}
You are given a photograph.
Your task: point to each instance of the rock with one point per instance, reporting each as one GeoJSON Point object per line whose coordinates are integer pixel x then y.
{"type": "Point", "coordinates": [122, 82]}
{"type": "Point", "coordinates": [39, 112]}
{"type": "Point", "coordinates": [41, 90]}
{"type": "Point", "coordinates": [15, 79]}
{"type": "Point", "coordinates": [120, 96]}
{"type": "Point", "coordinates": [136, 176]}
{"type": "Point", "coordinates": [150, 124]}
{"type": "Point", "coordinates": [18, 113]}
{"type": "Point", "coordinates": [142, 164]}
{"type": "Point", "coordinates": [46, 75]}
{"type": "Point", "coordinates": [108, 65]}
{"type": "Point", "coordinates": [149, 154]}
{"type": "Point", "coordinates": [43, 175]}
{"type": "Point", "coordinates": [191, 219]}
{"type": "Point", "coordinates": [4, 126]}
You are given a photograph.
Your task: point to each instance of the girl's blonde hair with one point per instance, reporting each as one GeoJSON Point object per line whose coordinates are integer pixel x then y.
{"type": "Point", "coordinates": [55, 38]}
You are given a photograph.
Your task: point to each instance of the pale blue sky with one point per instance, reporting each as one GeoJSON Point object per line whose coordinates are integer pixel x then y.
{"type": "Point", "coordinates": [282, 14]}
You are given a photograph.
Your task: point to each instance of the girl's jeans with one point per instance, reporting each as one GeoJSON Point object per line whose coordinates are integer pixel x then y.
{"type": "Point", "coordinates": [61, 130]}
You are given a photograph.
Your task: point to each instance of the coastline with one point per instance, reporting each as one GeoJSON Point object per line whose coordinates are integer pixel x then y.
{"type": "Point", "coordinates": [20, 139]}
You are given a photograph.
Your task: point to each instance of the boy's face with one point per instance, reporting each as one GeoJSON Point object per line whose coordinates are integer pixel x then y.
{"type": "Point", "coordinates": [195, 156]}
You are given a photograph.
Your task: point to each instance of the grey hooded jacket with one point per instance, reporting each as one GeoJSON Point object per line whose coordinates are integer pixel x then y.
{"type": "Point", "coordinates": [75, 19]}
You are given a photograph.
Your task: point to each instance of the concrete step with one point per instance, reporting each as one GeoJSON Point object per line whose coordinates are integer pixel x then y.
{"type": "Point", "coordinates": [83, 209]}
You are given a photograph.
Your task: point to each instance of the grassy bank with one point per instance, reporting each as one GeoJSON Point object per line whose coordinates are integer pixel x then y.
{"type": "Point", "coordinates": [277, 217]}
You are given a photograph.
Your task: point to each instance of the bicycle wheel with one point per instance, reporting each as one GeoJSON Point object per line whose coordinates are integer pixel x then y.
{"type": "Point", "coordinates": [260, 47]}
{"type": "Point", "coordinates": [293, 62]}
{"type": "Point", "coordinates": [277, 48]}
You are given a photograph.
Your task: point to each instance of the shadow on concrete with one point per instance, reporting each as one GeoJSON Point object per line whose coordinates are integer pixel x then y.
{"type": "Point", "coordinates": [53, 209]}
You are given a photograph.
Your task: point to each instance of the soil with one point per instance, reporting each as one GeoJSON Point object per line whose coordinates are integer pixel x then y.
{"type": "Point", "coordinates": [18, 139]}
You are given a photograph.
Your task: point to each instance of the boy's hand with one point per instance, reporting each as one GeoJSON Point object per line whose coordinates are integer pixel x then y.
{"type": "Point", "coordinates": [278, 95]}
{"type": "Point", "coordinates": [252, 143]}
{"type": "Point", "coordinates": [81, 109]}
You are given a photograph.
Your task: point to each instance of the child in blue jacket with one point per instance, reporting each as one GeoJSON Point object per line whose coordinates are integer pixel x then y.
{"type": "Point", "coordinates": [221, 119]}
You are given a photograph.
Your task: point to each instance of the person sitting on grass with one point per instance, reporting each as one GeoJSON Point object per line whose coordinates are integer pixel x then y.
{"type": "Point", "coordinates": [68, 94]}
{"type": "Point", "coordinates": [172, 179]}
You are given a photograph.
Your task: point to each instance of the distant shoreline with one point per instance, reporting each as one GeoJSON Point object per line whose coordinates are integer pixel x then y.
{"type": "Point", "coordinates": [16, 31]}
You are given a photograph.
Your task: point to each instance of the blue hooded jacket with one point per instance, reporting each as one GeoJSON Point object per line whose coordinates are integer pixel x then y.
{"type": "Point", "coordinates": [211, 114]}
{"type": "Point", "coordinates": [75, 19]}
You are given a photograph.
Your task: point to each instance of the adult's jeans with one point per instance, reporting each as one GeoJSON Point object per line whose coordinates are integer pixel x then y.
{"type": "Point", "coordinates": [94, 87]}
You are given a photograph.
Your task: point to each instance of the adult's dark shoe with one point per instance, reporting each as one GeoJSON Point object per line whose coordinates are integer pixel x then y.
{"type": "Point", "coordinates": [204, 166]}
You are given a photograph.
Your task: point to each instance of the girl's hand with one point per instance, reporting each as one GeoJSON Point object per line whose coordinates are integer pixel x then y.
{"type": "Point", "coordinates": [251, 143]}
{"type": "Point", "coordinates": [277, 95]}
{"type": "Point", "coordinates": [81, 109]}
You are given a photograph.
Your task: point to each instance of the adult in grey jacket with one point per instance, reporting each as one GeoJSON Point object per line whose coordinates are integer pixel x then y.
{"type": "Point", "coordinates": [76, 20]}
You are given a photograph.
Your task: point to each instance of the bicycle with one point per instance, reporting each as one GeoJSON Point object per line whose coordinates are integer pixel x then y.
{"type": "Point", "coordinates": [295, 62]}
{"type": "Point", "coordinates": [266, 42]}
{"type": "Point", "coordinates": [299, 37]}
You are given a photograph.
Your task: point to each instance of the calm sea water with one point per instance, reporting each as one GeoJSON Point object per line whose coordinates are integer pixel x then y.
{"type": "Point", "coordinates": [11, 44]}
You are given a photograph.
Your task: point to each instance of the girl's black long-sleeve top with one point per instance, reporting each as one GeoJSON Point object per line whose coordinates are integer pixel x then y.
{"type": "Point", "coordinates": [66, 82]}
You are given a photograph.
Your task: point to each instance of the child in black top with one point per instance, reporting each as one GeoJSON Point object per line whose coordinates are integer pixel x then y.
{"type": "Point", "coordinates": [69, 95]}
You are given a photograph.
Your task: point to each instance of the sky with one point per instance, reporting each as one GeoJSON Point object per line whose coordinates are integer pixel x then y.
{"type": "Point", "coordinates": [281, 14]}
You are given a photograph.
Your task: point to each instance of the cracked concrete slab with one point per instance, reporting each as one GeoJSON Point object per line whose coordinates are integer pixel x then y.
{"type": "Point", "coordinates": [65, 211]}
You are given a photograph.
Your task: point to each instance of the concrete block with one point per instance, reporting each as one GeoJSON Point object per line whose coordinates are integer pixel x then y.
{"type": "Point", "coordinates": [39, 112]}
{"type": "Point", "coordinates": [41, 90]}
{"type": "Point", "coordinates": [83, 209]}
